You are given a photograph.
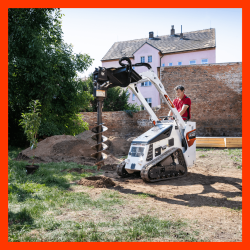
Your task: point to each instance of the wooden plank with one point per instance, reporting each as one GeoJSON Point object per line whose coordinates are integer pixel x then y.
{"type": "Point", "coordinates": [219, 142]}
{"type": "Point", "coordinates": [210, 145]}
{"type": "Point", "coordinates": [203, 141]}
{"type": "Point", "coordinates": [234, 139]}
{"type": "Point", "coordinates": [222, 142]}
{"type": "Point", "coordinates": [234, 142]}
{"type": "Point", "coordinates": [210, 142]}
{"type": "Point", "coordinates": [199, 139]}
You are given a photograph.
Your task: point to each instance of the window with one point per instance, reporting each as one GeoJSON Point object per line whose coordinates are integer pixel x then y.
{"type": "Point", "coordinates": [149, 101]}
{"type": "Point", "coordinates": [149, 58]}
{"type": "Point", "coordinates": [142, 59]}
{"type": "Point", "coordinates": [170, 64]}
{"type": "Point", "coordinates": [133, 97]}
{"type": "Point", "coordinates": [179, 63]}
{"type": "Point", "coordinates": [127, 92]}
{"type": "Point", "coordinates": [136, 151]}
{"type": "Point", "coordinates": [133, 67]}
{"type": "Point", "coordinates": [146, 84]}
{"type": "Point", "coordinates": [204, 61]}
{"type": "Point", "coordinates": [163, 64]}
{"type": "Point", "coordinates": [192, 62]}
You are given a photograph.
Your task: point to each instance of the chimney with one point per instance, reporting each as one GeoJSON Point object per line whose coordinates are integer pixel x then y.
{"type": "Point", "coordinates": [151, 35]}
{"type": "Point", "coordinates": [172, 30]}
{"type": "Point", "coordinates": [181, 35]}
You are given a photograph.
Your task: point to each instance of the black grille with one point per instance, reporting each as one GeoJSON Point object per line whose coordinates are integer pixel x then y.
{"type": "Point", "coordinates": [171, 142]}
{"type": "Point", "coordinates": [133, 166]}
{"type": "Point", "coordinates": [150, 153]}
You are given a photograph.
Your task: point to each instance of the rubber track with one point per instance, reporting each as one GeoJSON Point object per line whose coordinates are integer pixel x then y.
{"type": "Point", "coordinates": [121, 171]}
{"type": "Point", "coordinates": [145, 169]}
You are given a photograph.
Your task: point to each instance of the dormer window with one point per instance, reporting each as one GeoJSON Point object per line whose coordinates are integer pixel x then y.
{"type": "Point", "coordinates": [149, 59]}
{"type": "Point", "coordinates": [142, 59]}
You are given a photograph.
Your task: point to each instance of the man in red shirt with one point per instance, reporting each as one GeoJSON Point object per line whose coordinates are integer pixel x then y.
{"type": "Point", "coordinates": [182, 103]}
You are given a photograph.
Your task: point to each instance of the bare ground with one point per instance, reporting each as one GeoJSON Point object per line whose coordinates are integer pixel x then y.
{"type": "Point", "coordinates": [209, 197]}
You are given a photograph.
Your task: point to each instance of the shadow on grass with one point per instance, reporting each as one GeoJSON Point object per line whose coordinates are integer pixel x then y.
{"type": "Point", "coordinates": [20, 218]}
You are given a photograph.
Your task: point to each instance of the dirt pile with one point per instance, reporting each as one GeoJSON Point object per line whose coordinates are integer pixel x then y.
{"type": "Point", "coordinates": [67, 148]}
{"type": "Point", "coordinates": [97, 182]}
{"type": "Point", "coordinates": [119, 146]}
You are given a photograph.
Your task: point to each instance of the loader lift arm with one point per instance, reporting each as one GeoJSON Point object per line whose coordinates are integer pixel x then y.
{"type": "Point", "coordinates": [125, 76]}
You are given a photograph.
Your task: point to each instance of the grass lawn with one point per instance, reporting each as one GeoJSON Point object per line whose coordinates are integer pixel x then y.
{"type": "Point", "coordinates": [38, 202]}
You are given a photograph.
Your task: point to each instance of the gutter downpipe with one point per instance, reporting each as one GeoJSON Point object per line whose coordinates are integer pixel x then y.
{"type": "Point", "coordinates": [160, 75]}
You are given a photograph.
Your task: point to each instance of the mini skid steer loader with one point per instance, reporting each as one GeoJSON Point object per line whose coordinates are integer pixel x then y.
{"type": "Point", "coordinates": [163, 152]}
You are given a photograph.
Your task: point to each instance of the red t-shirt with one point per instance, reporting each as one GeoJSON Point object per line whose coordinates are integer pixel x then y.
{"type": "Point", "coordinates": [179, 104]}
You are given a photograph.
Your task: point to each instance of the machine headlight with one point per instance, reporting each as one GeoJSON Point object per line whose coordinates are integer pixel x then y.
{"type": "Point", "coordinates": [127, 160]}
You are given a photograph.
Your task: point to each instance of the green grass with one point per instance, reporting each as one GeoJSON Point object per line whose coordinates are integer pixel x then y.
{"type": "Point", "coordinates": [36, 201]}
{"type": "Point", "coordinates": [143, 195]}
{"type": "Point", "coordinates": [202, 156]}
{"type": "Point", "coordinates": [236, 155]}
{"type": "Point", "coordinates": [204, 149]}
{"type": "Point", "coordinates": [235, 152]}
{"type": "Point", "coordinates": [141, 228]}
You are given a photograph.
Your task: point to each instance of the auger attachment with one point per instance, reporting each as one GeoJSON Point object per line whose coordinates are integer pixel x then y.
{"type": "Point", "coordinates": [103, 79]}
{"type": "Point", "coordinates": [98, 137]}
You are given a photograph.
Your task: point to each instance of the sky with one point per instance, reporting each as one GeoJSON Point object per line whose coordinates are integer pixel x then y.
{"type": "Point", "coordinates": [94, 31]}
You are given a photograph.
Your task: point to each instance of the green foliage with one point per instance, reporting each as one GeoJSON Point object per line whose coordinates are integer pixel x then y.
{"type": "Point", "coordinates": [43, 67]}
{"type": "Point", "coordinates": [31, 122]}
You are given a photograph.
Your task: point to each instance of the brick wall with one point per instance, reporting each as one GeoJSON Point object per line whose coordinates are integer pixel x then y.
{"type": "Point", "coordinates": [119, 123]}
{"type": "Point", "coordinates": [216, 94]}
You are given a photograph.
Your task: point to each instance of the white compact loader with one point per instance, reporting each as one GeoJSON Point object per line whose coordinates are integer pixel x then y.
{"type": "Point", "coordinates": [163, 152]}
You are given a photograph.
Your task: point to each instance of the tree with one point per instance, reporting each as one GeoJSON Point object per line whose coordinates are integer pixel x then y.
{"type": "Point", "coordinates": [43, 67]}
{"type": "Point", "coordinates": [30, 122]}
{"type": "Point", "coordinates": [117, 99]}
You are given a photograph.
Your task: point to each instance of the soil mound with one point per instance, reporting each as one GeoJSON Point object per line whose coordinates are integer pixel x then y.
{"type": "Point", "coordinates": [97, 182]}
{"type": "Point", "coordinates": [66, 148]}
{"type": "Point", "coordinates": [119, 146]}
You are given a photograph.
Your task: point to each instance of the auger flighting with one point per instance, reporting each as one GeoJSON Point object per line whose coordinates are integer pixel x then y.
{"type": "Point", "coordinates": [98, 130]}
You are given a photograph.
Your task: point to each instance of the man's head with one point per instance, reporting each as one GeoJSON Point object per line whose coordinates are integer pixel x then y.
{"type": "Point", "coordinates": [179, 91]}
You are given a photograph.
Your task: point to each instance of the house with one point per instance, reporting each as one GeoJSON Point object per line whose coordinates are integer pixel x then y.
{"type": "Point", "coordinates": [175, 49]}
